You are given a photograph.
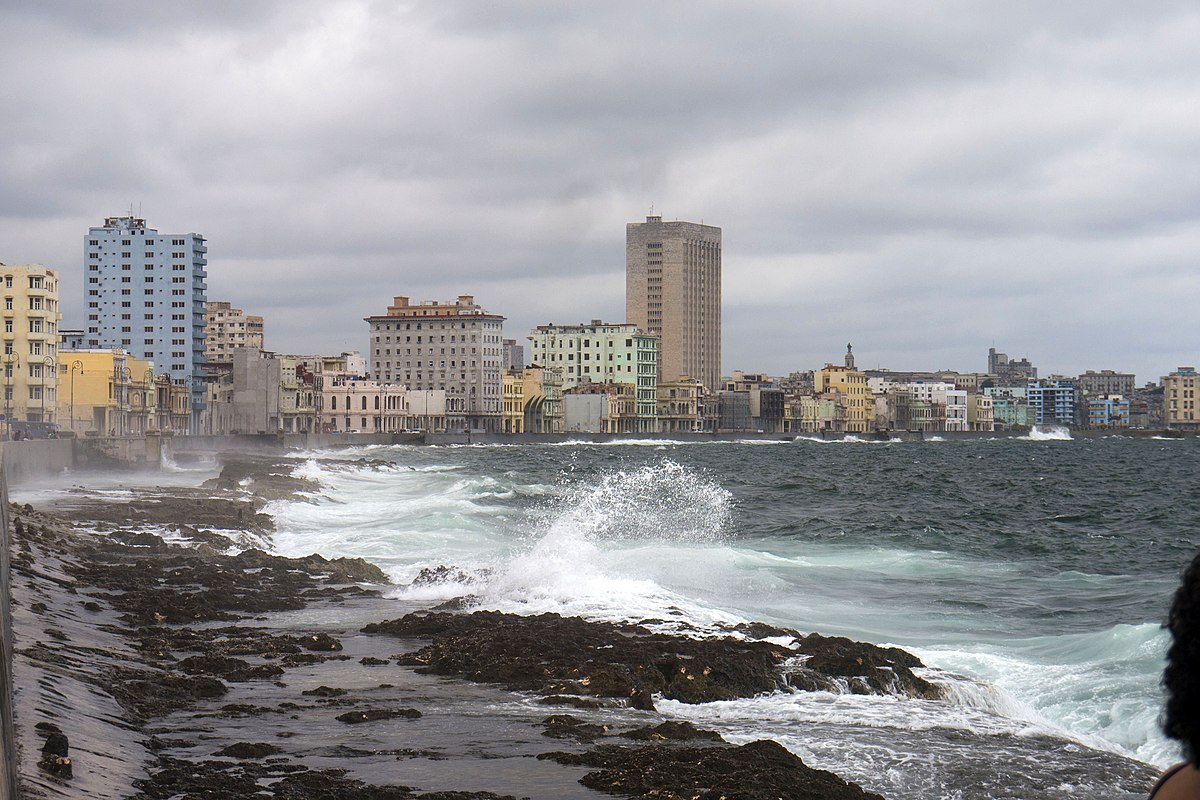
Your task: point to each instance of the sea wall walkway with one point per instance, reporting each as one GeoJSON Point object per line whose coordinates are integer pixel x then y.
{"type": "Point", "coordinates": [8, 745]}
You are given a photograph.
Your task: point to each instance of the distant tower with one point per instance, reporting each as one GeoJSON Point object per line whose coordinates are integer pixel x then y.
{"type": "Point", "coordinates": [673, 289]}
{"type": "Point", "coordinates": [849, 356]}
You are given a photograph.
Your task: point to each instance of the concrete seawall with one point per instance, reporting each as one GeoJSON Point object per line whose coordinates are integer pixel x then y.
{"type": "Point", "coordinates": [8, 745]}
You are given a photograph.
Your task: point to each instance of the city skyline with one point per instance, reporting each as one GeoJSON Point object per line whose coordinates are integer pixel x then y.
{"type": "Point", "coordinates": [925, 183]}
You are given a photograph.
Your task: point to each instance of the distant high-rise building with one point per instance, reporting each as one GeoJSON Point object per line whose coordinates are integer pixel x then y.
{"type": "Point", "coordinates": [31, 364]}
{"type": "Point", "coordinates": [1106, 382]}
{"type": "Point", "coordinates": [673, 289]}
{"type": "Point", "coordinates": [227, 328]}
{"type": "Point", "coordinates": [1010, 371]}
{"type": "Point", "coordinates": [454, 346]}
{"type": "Point", "coordinates": [145, 294]}
{"type": "Point", "coordinates": [514, 354]}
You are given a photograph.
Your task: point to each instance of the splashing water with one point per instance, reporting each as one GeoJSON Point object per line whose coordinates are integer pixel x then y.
{"type": "Point", "coordinates": [610, 547]}
{"type": "Point", "coordinates": [1046, 433]}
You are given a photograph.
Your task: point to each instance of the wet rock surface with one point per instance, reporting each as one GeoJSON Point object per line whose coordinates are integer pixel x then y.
{"type": "Point", "coordinates": [200, 652]}
{"type": "Point", "coordinates": [557, 656]}
{"type": "Point", "coordinates": [762, 770]}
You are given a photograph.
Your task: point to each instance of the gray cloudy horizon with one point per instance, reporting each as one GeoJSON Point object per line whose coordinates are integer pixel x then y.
{"type": "Point", "coordinates": [924, 180]}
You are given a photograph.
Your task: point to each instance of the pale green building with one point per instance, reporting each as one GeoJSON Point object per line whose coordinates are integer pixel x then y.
{"type": "Point", "coordinates": [599, 352]}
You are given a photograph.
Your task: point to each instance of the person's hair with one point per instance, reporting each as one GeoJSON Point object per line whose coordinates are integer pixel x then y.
{"type": "Point", "coordinates": [1181, 717]}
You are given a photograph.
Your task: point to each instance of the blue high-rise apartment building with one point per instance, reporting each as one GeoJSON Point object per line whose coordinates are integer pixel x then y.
{"type": "Point", "coordinates": [145, 293]}
{"type": "Point", "coordinates": [1052, 401]}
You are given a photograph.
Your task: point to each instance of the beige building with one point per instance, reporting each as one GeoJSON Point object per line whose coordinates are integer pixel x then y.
{"type": "Point", "coordinates": [681, 407]}
{"type": "Point", "coordinates": [31, 316]}
{"type": "Point", "coordinates": [1179, 399]}
{"type": "Point", "coordinates": [227, 328]}
{"type": "Point", "coordinates": [980, 413]}
{"type": "Point", "coordinates": [455, 346]}
{"type": "Point", "coordinates": [673, 289]}
{"type": "Point", "coordinates": [351, 404]}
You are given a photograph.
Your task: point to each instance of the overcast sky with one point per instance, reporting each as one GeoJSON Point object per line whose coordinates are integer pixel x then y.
{"type": "Point", "coordinates": [924, 180]}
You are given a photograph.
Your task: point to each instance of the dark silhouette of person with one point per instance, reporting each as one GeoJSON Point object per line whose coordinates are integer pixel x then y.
{"type": "Point", "coordinates": [1181, 679]}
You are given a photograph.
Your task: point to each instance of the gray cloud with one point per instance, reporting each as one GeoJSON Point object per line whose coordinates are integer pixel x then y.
{"type": "Point", "coordinates": [924, 180]}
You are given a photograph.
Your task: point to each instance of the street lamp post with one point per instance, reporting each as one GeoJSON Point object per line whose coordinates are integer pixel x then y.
{"type": "Point", "coordinates": [151, 396]}
{"type": "Point", "coordinates": [11, 363]}
{"type": "Point", "coordinates": [122, 377]}
{"type": "Point", "coordinates": [48, 363]}
{"type": "Point", "coordinates": [75, 365]}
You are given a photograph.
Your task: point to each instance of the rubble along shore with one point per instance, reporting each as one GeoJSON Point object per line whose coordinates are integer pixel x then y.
{"type": "Point", "coordinates": [175, 669]}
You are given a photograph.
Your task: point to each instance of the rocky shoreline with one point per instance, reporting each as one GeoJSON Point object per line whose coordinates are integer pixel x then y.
{"type": "Point", "coordinates": [163, 666]}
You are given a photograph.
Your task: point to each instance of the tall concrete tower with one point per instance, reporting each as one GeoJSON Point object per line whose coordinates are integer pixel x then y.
{"type": "Point", "coordinates": [673, 289]}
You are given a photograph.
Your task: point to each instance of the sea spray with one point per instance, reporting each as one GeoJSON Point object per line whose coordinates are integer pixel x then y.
{"type": "Point", "coordinates": [605, 546]}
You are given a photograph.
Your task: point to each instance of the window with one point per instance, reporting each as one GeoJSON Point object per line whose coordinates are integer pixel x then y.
{"type": "Point", "coordinates": [8, 326]}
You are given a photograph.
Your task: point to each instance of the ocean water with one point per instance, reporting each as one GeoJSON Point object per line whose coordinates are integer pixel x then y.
{"type": "Point", "coordinates": [1030, 575]}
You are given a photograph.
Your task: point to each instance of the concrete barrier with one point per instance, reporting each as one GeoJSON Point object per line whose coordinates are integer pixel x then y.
{"type": "Point", "coordinates": [32, 458]}
{"type": "Point", "coordinates": [8, 741]}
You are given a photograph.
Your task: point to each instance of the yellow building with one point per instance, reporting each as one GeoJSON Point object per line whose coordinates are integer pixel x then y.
{"type": "Point", "coordinates": [531, 400]}
{"type": "Point", "coordinates": [108, 393]}
{"type": "Point", "coordinates": [512, 401]}
{"type": "Point", "coordinates": [854, 395]}
{"type": "Point", "coordinates": [31, 316]}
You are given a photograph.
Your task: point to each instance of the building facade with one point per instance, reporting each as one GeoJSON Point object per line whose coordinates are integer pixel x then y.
{"type": "Point", "coordinates": [600, 352]}
{"type": "Point", "coordinates": [351, 404]}
{"type": "Point", "coordinates": [145, 293]}
{"type": "Point", "coordinates": [227, 328]}
{"type": "Point", "coordinates": [455, 346]}
{"type": "Point", "coordinates": [1052, 401]}
{"type": "Point", "coordinates": [31, 359]}
{"type": "Point", "coordinates": [853, 393]}
{"type": "Point", "coordinates": [1010, 371]}
{"type": "Point", "coordinates": [1107, 411]}
{"type": "Point", "coordinates": [673, 289]}
{"type": "Point", "coordinates": [1179, 399]}
{"type": "Point", "coordinates": [107, 392]}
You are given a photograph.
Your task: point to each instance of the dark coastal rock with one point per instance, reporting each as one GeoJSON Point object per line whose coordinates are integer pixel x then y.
{"type": "Point", "coordinates": [147, 693]}
{"type": "Point", "coordinates": [248, 750]}
{"type": "Point", "coordinates": [674, 732]}
{"type": "Point", "coordinates": [568, 655]}
{"type": "Point", "coordinates": [762, 770]}
{"type": "Point", "coordinates": [321, 642]}
{"type": "Point", "coordinates": [232, 780]}
{"type": "Point", "coordinates": [325, 691]}
{"type": "Point", "coordinates": [371, 661]}
{"type": "Point", "coordinates": [56, 745]}
{"type": "Point", "coordinates": [432, 576]}
{"type": "Point", "coordinates": [375, 714]}
{"type": "Point", "coordinates": [569, 700]}
{"type": "Point", "coordinates": [835, 663]}
{"type": "Point", "coordinates": [565, 726]}
{"type": "Point", "coordinates": [231, 669]}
